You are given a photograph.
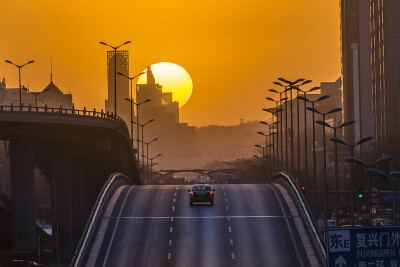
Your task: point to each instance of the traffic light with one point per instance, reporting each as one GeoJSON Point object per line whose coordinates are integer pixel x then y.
{"type": "Point", "coordinates": [360, 192]}
{"type": "Point", "coordinates": [303, 188]}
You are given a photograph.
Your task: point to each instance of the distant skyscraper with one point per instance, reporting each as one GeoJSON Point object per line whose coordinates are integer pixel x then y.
{"type": "Point", "coordinates": [356, 67]}
{"type": "Point", "coordinates": [385, 44]}
{"type": "Point", "coordinates": [370, 35]}
{"type": "Point", "coordinates": [123, 107]}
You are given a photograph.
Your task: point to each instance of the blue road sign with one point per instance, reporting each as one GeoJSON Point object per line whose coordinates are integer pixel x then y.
{"type": "Point", "coordinates": [363, 246]}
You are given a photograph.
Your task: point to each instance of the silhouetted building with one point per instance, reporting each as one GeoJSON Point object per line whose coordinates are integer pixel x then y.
{"type": "Point", "coordinates": [161, 108]}
{"type": "Point", "coordinates": [123, 106]}
{"type": "Point", "coordinates": [370, 36]}
{"type": "Point", "coordinates": [356, 67]}
{"type": "Point", "coordinates": [385, 44]}
{"type": "Point", "coordinates": [52, 97]}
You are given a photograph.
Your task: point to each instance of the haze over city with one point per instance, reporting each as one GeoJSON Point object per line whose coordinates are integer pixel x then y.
{"type": "Point", "coordinates": [228, 48]}
{"type": "Point", "coordinates": [200, 133]}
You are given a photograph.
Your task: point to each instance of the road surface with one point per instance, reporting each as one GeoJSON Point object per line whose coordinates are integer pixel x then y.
{"type": "Point", "coordinates": [153, 225]}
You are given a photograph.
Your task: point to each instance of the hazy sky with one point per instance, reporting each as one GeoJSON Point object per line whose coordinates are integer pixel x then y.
{"type": "Point", "coordinates": [233, 50]}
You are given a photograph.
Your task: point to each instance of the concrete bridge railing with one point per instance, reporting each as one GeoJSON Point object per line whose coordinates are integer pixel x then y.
{"type": "Point", "coordinates": [115, 181]}
{"type": "Point", "coordinates": [286, 180]}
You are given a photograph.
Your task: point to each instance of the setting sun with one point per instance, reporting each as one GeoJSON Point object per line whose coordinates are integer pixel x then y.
{"type": "Point", "coordinates": [173, 78]}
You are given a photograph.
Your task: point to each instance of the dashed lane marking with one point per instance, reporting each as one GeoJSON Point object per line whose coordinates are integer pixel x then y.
{"type": "Point", "coordinates": [174, 199]}
{"type": "Point", "coordinates": [231, 242]}
{"type": "Point", "coordinates": [226, 200]}
{"type": "Point", "coordinates": [229, 229]}
{"type": "Point", "coordinates": [171, 229]}
{"type": "Point", "coordinates": [169, 256]}
{"type": "Point", "coordinates": [176, 194]}
{"type": "Point", "coordinates": [172, 218]}
{"type": "Point", "coordinates": [226, 207]}
{"type": "Point", "coordinates": [173, 208]}
{"type": "Point", "coordinates": [170, 243]}
{"type": "Point", "coordinates": [224, 194]}
{"type": "Point", "coordinates": [233, 256]}
{"type": "Point", "coordinates": [228, 218]}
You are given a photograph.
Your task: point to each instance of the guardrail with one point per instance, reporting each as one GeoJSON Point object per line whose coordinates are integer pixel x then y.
{"type": "Point", "coordinates": [317, 240]}
{"type": "Point", "coordinates": [113, 182]}
{"type": "Point", "coordinates": [68, 111]}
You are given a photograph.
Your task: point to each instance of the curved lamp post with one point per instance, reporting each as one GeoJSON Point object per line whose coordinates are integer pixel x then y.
{"type": "Point", "coordinates": [334, 128]}
{"type": "Point", "coordinates": [147, 151]}
{"type": "Point", "coordinates": [131, 100]}
{"type": "Point", "coordinates": [304, 98]}
{"type": "Point", "coordinates": [279, 160]}
{"type": "Point", "coordinates": [323, 97]}
{"type": "Point", "coordinates": [142, 125]}
{"type": "Point", "coordinates": [274, 113]}
{"type": "Point", "coordinates": [115, 71]}
{"type": "Point", "coordinates": [36, 94]}
{"type": "Point", "coordinates": [137, 120]}
{"type": "Point", "coordinates": [369, 166]}
{"type": "Point", "coordinates": [151, 166]}
{"type": "Point", "coordinates": [19, 75]}
{"type": "Point", "coordinates": [281, 132]}
{"type": "Point", "coordinates": [325, 171]}
{"type": "Point", "coordinates": [351, 146]}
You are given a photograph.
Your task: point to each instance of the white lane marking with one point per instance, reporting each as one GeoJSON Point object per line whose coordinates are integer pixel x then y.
{"type": "Point", "coordinates": [170, 242]}
{"type": "Point", "coordinates": [231, 242]}
{"type": "Point", "coordinates": [115, 227]}
{"type": "Point", "coordinates": [172, 218]}
{"type": "Point", "coordinates": [204, 217]}
{"type": "Point", "coordinates": [226, 200]}
{"type": "Point", "coordinates": [226, 207]}
{"type": "Point", "coordinates": [233, 256]}
{"type": "Point", "coordinates": [170, 229]}
{"type": "Point", "coordinates": [173, 208]}
{"type": "Point", "coordinates": [224, 194]}
{"type": "Point", "coordinates": [176, 194]}
{"type": "Point", "coordinates": [176, 188]}
{"type": "Point", "coordinates": [229, 229]}
{"type": "Point", "coordinates": [174, 200]}
{"type": "Point", "coordinates": [169, 256]}
{"type": "Point", "coordinates": [228, 218]}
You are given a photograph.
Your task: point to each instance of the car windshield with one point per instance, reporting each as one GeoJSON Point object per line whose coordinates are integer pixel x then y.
{"type": "Point", "coordinates": [201, 188]}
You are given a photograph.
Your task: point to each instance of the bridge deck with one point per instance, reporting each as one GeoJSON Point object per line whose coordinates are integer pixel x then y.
{"type": "Point", "coordinates": [155, 226]}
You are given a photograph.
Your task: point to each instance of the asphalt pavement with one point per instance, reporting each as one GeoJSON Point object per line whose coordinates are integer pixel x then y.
{"type": "Point", "coordinates": [154, 225]}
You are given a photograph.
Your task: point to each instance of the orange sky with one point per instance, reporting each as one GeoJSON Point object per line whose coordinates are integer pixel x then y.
{"type": "Point", "coordinates": [233, 50]}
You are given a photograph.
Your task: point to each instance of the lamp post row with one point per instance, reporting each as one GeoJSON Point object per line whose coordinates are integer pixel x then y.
{"type": "Point", "coordinates": [278, 158]}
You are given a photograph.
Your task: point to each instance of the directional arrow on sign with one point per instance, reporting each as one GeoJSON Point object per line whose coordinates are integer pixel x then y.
{"type": "Point", "coordinates": [341, 262]}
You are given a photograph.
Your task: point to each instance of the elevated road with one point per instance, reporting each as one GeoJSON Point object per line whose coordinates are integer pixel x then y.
{"type": "Point", "coordinates": [250, 225]}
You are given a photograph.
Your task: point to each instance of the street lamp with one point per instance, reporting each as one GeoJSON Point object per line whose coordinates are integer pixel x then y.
{"type": "Point", "coordinates": [277, 128]}
{"type": "Point", "coordinates": [142, 125]}
{"type": "Point", "coordinates": [369, 166]}
{"type": "Point", "coordinates": [131, 100]}
{"type": "Point", "coordinates": [115, 71]}
{"type": "Point", "coordinates": [394, 177]}
{"type": "Point", "coordinates": [290, 86]}
{"type": "Point", "coordinates": [351, 146]}
{"type": "Point", "coordinates": [314, 149]}
{"type": "Point", "coordinates": [324, 146]}
{"type": "Point", "coordinates": [151, 166]}
{"type": "Point", "coordinates": [325, 124]}
{"type": "Point", "coordinates": [36, 94]}
{"type": "Point", "coordinates": [147, 151]}
{"type": "Point", "coordinates": [19, 75]}
{"type": "Point", "coordinates": [137, 120]}
{"type": "Point", "coordinates": [305, 131]}
{"type": "Point", "coordinates": [281, 105]}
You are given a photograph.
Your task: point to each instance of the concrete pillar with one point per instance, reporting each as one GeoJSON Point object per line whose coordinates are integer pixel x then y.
{"type": "Point", "coordinates": [62, 202]}
{"type": "Point", "coordinates": [22, 196]}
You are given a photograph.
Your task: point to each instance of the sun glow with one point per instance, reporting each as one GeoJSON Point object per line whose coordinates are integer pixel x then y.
{"type": "Point", "coordinates": [173, 78]}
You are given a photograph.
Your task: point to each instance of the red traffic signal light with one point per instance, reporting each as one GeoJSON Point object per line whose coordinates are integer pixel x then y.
{"type": "Point", "coordinates": [303, 188]}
